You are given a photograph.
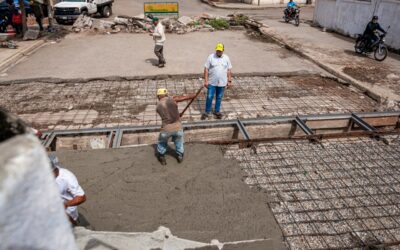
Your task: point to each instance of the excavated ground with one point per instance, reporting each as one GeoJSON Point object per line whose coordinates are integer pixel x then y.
{"type": "Point", "coordinates": [48, 106]}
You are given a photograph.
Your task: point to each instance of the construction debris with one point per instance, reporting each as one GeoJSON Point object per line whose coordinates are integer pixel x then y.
{"type": "Point", "coordinates": [31, 34]}
{"type": "Point", "coordinates": [142, 24]}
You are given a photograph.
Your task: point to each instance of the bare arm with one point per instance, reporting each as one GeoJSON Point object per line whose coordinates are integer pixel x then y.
{"type": "Point", "coordinates": [229, 78]}
{"type": "Point", "coordinates": [77, 200]}
{"type": "Point", "coordinates": [206, 77]}
{"type": "Point", "coordinates": [184, 98]}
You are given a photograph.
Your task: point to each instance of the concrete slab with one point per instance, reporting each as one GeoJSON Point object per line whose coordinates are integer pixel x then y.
{"type": "Point", "coordinates": [87, 56]}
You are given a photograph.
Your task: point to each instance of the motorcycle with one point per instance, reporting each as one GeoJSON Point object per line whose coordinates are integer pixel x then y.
{"type": "Point", "coordinates": [379, 48]}
{"type": "Point", "coordinates": [293, 14]}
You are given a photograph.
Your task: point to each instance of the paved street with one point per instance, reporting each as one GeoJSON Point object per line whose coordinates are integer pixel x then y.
{"type": "Point", "coordinates": [83, 56]}
{"type": "Point", "coordinates": [317, 167]}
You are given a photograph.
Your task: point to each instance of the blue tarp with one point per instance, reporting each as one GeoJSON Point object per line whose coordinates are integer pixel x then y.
{"type": "Point", "coordinates": [4, 6]}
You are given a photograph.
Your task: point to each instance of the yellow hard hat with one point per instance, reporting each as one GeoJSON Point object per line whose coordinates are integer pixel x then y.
{"type": "Point", "coordinates": [162, 92]}
{"type": "Point", "coordinates": [219, 47]}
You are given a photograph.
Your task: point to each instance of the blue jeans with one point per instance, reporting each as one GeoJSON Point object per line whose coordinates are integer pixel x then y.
{"type": "Point", "coordinates": [177, 138]}
{"type": "Point", "coordinates": [219, 92]}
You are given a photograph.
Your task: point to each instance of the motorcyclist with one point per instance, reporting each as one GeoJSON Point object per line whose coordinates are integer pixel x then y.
{"type": "Point", "coordinates": [291, 6]}
{"type": "Point", "coordinates": [371, 32]}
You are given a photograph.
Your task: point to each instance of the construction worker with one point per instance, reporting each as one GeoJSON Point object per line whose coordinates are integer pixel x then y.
{"type": "Point", "coordinates": [171, 127]}
{"type": "Point", "coordinates": [217, 75]}
{"type": "Point", "coordinates": [70, 190]}
{"type": "Point", "coordinates": [159, 38]}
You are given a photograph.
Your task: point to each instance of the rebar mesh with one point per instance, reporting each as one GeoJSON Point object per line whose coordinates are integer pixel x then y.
{"type": "Point", "coordinates": [127, 103]}
{"type": "Point", "coordinates": [339, 194]}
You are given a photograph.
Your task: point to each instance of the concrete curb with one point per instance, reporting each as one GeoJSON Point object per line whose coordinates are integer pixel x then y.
{"type": "Point", "coordinates": [375, 92]}
{"type": "Point", "coordinates": [14, 58]}
{"type": "Point", "coordinates": [250, 7]}
{"type": "Point", "coordinates": [157, 77]}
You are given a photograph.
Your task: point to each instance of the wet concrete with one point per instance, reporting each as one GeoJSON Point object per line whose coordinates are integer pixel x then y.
{"type": "Point", "coordinates": [203, 198]}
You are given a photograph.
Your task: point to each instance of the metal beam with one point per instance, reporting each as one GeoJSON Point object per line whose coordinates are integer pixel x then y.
{"type": "Point", "coordinates": [300, 123]}
{"type": "Point", "coordinates": [303, 137]}
{"type": "Point", "coordinates": [241, 124]}
{"type": "Point", "coordinates": [254, 121]}
{"type": "Point", "coordinates": [361, 123]}
{"type": "Point", "coordinates": [242, 129]}
{"type": "Point", "coordinates": [117, 138]}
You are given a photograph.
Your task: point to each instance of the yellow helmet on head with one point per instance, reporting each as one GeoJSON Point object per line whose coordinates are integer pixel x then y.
{"type": "Point", "coordinates": [219, 47]}
{"type": "Point", "coordinates": [162, 92]}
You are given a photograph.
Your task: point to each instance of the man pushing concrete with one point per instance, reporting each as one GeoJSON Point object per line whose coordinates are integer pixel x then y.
{"type": "Point", "coordinates": [171, 127]}
{"type": "Point", "coordinates": [217, 75]}
{"type": "Point", "coordinates": [159, 38]}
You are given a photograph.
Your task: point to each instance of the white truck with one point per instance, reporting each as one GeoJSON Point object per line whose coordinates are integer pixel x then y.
{"type": "Point", "coordinates": [68, 11]}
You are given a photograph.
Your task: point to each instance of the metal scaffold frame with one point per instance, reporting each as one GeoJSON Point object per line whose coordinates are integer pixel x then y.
{"type": "Point", "coordinates": [357, 126]}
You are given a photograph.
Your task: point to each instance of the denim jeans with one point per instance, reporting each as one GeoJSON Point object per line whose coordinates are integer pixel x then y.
{"type": "Point", "coordinates": [219, 92]}
{"type": "Point", "coordinates": [177, 138]}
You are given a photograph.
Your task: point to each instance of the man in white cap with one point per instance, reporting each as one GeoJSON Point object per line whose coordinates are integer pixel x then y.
{"type": "Point", "coordinates": [171, 127]}
{"type": "Point", "coordinates": [159, 38]}
{"type": "Point", "coordinates": [70, 190]}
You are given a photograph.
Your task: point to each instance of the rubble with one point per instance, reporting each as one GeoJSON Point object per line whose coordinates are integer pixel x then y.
{"type": "Point", "coordinates": [185, 20]}
{"type": "Point", "coordinates": [31, 34]}
{"type": "Point", "coordinates": [142, 24]}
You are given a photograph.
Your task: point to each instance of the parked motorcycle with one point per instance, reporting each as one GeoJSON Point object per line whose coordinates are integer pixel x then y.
{"type": "Point", "coordinates": [379, 48]}
{"type": "Point", "coordinates": [293, 14]}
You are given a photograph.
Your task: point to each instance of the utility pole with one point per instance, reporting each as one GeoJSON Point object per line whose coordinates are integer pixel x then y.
{"type": "Point", "coordinates": [23, 12]}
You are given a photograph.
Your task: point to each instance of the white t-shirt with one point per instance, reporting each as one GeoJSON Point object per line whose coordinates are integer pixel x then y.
{"type": "Point", "coordinates": [69, 188]}
{"type": "Point", "coordinates": [218, 70]}
{"type": "Point", "coordinates": [159, 34]}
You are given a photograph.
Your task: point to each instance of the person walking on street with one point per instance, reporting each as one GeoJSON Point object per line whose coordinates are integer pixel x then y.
{"type": "Point", "coordinates": [70, 190]}
{"type": "Point", "coordinates": [159, 38]}
{"type": "Point", "coordinates": [217, 76]}
{"type": "Point", "coordinates": [171, 127]}
{"type": "Point", "coordinates": [38, 13]}
{"type": "Point", "coordinates": [17, 21]}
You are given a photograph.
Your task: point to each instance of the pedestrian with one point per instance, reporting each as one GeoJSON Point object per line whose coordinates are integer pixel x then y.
{"type": "Point", "coordinates": [171, 127]}
{"type": "Point", "coordinates": [38, 13]}
{"type": "Point", "coordinates": [70, 190]}
{"type": "Point", "coordinates": [3, 23]}
{"type": "Point", "coordinates": [159, 39]}
{"type": "Point", "coordinates": [17, 22]}
{"type": "Point", "coordinates": [217, 76]}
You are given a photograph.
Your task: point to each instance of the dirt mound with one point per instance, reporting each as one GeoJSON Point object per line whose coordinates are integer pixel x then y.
{"type": "Point", "coordinates": [202, 199]}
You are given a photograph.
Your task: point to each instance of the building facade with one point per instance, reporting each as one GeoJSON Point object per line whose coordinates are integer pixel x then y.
{"type": "Point", "coordinates": [350, 17]}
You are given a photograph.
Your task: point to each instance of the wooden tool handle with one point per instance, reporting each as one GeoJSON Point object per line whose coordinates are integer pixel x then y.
{"type": "Point", "coordinates": [187, 106]}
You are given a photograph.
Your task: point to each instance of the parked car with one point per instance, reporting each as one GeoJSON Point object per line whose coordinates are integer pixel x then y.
{"type": "Point", "coordinates": [68, 11]}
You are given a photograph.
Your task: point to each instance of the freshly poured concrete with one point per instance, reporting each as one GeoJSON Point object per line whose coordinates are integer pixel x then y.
{"type": "Point", "coordinates": [202, 199]}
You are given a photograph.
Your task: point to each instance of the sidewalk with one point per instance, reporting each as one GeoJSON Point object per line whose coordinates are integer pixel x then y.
{"type": "Point", "coordinates": [335, 53]}
{"type": "Point", "coordinates": [244, 6]}
{"type": "Point", "coordinates": [10, 56]}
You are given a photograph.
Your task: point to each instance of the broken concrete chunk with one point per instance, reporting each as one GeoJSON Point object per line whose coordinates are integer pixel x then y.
{"type": "Point", "coordinates": [185, 20]}
{"type": "Point", "coordinates": [31, 34]}
{"type": "Point", "coordinates": [393, 76]}
{"type": "Point", "coordinates": [101, 24]}
{"type": "Point", "coordinates": [120, 20]}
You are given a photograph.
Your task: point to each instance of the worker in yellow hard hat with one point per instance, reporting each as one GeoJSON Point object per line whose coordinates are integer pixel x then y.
{"type": "Point", "coordinates": [217, 76]}
{"type": "Point", "coordinates": [167, 109]}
